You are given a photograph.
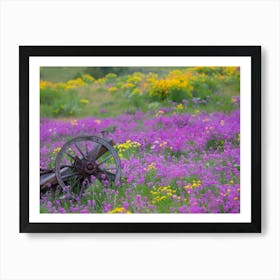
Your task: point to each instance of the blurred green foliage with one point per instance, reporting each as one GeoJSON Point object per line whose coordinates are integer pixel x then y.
{"type": "Point", "coordinates": [76, 92]}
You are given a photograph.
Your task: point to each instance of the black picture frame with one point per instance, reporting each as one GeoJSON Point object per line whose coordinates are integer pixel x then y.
{"type": "Point", "coordinates": [25, 52]}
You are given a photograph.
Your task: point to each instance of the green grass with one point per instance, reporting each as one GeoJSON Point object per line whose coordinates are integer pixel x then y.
{"type": "Point", "coordinates": [113, 103]}
{"type": "Point", "coordinates": [60, 74]}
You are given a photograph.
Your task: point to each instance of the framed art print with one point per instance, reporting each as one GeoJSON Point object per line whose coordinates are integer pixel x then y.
{"type": "Point", "coordinates": [140, 138]}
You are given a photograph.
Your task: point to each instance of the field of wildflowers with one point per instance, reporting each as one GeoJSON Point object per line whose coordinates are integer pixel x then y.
{"type": "Point", "coordinates": [177, 134]}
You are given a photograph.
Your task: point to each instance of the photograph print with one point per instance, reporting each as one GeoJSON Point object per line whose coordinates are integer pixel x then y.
{"type": "Point", "coordinates": [133, 139]}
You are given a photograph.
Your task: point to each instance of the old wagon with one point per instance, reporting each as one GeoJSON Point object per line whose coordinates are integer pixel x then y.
{"type": "Point", "coordinates": [80, 161]}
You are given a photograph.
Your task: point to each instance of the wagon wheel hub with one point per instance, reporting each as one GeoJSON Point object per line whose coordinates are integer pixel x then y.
{"type": "Point", "coordinates": [85, 167]}
{"type": "Point", "coordinates": [90, 168]}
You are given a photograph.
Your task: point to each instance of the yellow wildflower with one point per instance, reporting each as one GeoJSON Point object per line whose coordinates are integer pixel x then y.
{"type": "Point", "coordinates": [112, 89]}
{"type": "Point", "coordinates": [238, 137]}
{"type": "Point", "coordinates": [127, 86]}
{"type": "Point", "coordinates": [126, 145]}
{"type": "Point", "coordinates": [152, 166]}
{"type": "Point", "coordinates": [56, 150]}
{"type": "Point", "coordinates": [46, 84]}
{"type": "Point", "coordinates": [119, 210]}
{"type": "Point", "coordinates": [188, 187]}
{"type": "Point", "coordinates": [180, 106]}
{"type": "Point", "coordinates": [84, 101]}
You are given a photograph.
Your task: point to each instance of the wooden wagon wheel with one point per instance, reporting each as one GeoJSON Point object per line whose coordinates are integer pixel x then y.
{"type": "Point", "coordinates": [84, 158]}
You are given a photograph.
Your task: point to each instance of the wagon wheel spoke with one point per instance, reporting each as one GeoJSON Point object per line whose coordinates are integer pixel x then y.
{"type": "Point", "coordinates": [70, 175]}
{"type": "Point", "coordinates": [92, 155]}
{"type": "Point", "coordinates": [75, 186]}
{"type": "Point", "coordinates": [80, 192]}
{"type": "Point", "coordinates": [109, 175]}
{"type": "Point", "coordinates": [67, 165]}
{"type": "Point", "coordinates": [57, 191]}
{"type": "Point", "coordinates": [80, 151]}
{"type": "Point", "coordinates": [85, 186]}
{"type": "Point", "coordinates": [105, 159]}
{"type": "Point", "coordinates": [69, 155]}
{"type": "Point", "coordinates": [77, 179]}
{"type": "Point", "coordinates": [109, 168]}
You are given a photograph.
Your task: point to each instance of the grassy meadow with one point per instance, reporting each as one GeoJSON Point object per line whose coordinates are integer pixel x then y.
{"type": "Point", "coordinates": [176, 131]}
